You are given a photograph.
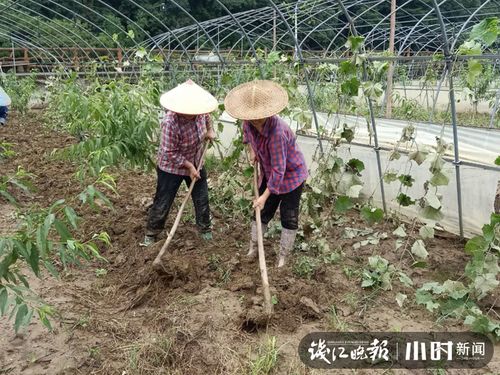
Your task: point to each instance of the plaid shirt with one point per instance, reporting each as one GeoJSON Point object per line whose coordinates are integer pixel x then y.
{"type": "Point", "coordinates": [180, 140]}
{"type": "Point", "coordinates": [280, 158]}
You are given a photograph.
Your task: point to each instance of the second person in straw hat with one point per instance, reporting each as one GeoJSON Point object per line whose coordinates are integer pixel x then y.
{"type": "Point", "coordinates": [184, 129]}
{"type": "Point", "coordinates": [273, 145]}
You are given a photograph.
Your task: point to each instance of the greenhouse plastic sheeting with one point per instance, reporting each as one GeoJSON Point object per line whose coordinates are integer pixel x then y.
{"type": "Point", "coordinates": [478, 184]}
{"type": "Point", "coordinates": [475, 144]}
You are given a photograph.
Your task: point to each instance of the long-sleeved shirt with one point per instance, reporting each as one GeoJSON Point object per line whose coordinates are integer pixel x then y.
{"type": "Point", "coordinates": [281, 160]}
{"type": "Point", "coordinates": [180, 140]}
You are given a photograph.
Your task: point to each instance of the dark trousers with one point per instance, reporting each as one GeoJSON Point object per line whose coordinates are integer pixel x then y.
{"type": "Point", "coordinates": [166, 189]}
{"type": "Point", "coordinates": [288, 204]}
{"type": "Point", "coordinates": [3, 112]}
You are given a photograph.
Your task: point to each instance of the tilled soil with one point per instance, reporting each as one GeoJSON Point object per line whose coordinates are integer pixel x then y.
{"type": "Point", "coordinates": [204, 314]}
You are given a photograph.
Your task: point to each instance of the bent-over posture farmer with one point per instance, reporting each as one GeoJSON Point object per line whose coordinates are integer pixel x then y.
{"type": "Point", "coordinates": [273, 145]}
{"type": "Point", "coordinates": [184, 129]}
{"type": "Point", "coordinates": [4, 109]}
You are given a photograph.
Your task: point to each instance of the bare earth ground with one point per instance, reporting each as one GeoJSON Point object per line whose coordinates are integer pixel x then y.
{"type": "Point", "coordinates": [199, 317]}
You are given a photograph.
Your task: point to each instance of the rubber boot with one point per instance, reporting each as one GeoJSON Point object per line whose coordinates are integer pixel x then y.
{"type": "Point", "coordinates": [286, 245]}
{"type": "Point", "coordinates": [252, 251]}
{"type": "Point", "coordinates": [148, 241]}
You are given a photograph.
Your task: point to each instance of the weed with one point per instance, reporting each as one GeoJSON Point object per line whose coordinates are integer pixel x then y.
{"type": "Point", "coordinates": [305, 267]}
{"type": "Point", "coordinates": [215, 264]}
{"type": "Point", "coordinates": [334, 322]}
{"type": "Point", "coordinates": [6, 150]}
{"type": "Point", "coordinates": [267, 358]}
{"type": "Point", "coordinates": [100, 272]}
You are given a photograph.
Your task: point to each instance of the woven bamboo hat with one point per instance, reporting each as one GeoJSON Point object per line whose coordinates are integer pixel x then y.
{"type": "Point", "coordinates": [4, 98]}
{"type": "Point", "coordinates": [190, 99]}
{"type": "Point", "coordinates": [256, 100]}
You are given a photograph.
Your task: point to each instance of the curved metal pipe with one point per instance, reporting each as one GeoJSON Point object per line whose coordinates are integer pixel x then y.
{"type": "Point", "coordinates": [372, 114]}
{"type": "Point", "coordinates": [306, 73]}
{"type": "Point", "coordinates": [456, 162]}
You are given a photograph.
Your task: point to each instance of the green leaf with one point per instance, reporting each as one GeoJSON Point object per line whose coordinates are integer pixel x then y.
{"type": "Point", "coordinates": [404, 200]}
{"type": "Point", "coordinates": [425, 298]}
{"type": "Point", "coordinates": [433, 201]}
{"type": "Point", "coordinates": [395, 155]}
{"type": "Point", "coordinates": [419, 264]}
{"type": "Point", "coordinates": [43, 312]}
{"type": "Point", "coordinates": [476, 245]}
{"type": "Point", "coordinates": [481, 324]}
{"type": "Point", "coordinates": [390, 177]}
{"type": "Point", "coordinates": [355, 43]}
{"type": "Point", "coordinates": [400, 232]}
{"type": "Point", "coordinates": [372, 214]}
{"type": "Point", "coordinates": [405, 279]}
{"type": "Point", "coordinates": [431, 213]}
{"type": "Point", "coordinates": [418, 249]}
{"type": "Point", "coordinates": [354, 191]}
{"type": "Point", "coordinates": [436, 164]}
{"type": "Point", "coordinates": [439, 179]}
{"type": "Point", "coordinates": [347, 134]}
{"type": "Point", "coordinates": [343, 204]}
{"type": "Point", "coordinates": [347, 68]}
{"type": "Point", "coordinates": [470, 47]}
{"type": "Point", "coordinates": [372, 90]}
{"type": "Point", "coordinates": [355, 165]}
{"type": "Point", "coordinates": [426, 232]}
{"type": "Point", "coordinates": [400, 299]}
{"type": "Point", "coordinates": [71, 215]}
{"type": "Point", "coordinates": [485, 283]}
{"type": "Point", "coordinates": [55, 204]}
{"type": "Point", "coordinates": [486, 31]}
{"type": "Point", "coordinates": [350, 87]}
{"type": "Point", "coordinates": [455, 289]}
{"type": "Point", "coordinates": [8, 197]}
{"type": "Point", "coordinates": [497, 161]}
{"type": "Point", "coordinates": [418, 156]}
{"type": "Point", "coordinates": [495, 219]}
{"type": "Point", "coordinates": [248, 172]}
{"type": "Point", "coordinates": [62, 230]}
{"type": "Point", "coordinates": [488, 232]}
{"type": "Point", "coordinates": [474, 71]}
{"type": "Point", "coordinates": [406, 180]}
{"type": "Point", "coordinates": [3, 300]}
{"type": "Point", "coordinates": [368, 282]}
{"type": "Point", "coordinates": [21, 314]}
{"type": "Point", "coordinates": [34, 260]}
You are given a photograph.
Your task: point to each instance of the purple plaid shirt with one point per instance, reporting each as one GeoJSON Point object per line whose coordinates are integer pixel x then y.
{"type": "Point", "coordinates": [280, 158]}
{"type": "Point", "coordinates": [180, 140]}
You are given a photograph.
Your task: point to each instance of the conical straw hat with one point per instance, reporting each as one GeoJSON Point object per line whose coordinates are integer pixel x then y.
{"type": "Point", "coordinates": [256, 100]}
{"type": "Point", "coordinates": [4, 98]}
{"type": "Point", "coordinates": [190, 99]}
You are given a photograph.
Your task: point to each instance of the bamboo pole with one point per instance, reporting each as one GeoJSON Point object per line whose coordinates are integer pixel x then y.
{"type": "Point", "coordinates": [260, 243]}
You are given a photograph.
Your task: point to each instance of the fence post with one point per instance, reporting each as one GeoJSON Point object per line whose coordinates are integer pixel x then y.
{"type": "Point", "coordinates": [26, 60]}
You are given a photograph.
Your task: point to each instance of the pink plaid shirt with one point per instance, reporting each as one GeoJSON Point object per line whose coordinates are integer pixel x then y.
{"type": "Point", "coordinates": [180, 140]}
{"type": "Point", "coordinates": [279, 155]}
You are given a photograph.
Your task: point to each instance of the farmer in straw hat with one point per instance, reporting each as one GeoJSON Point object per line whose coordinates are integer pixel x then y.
{"type": "Point", "coordinates": [184, 128]}
{"type": "Point", "coordinates": [4, 103]}
{"type": "Point", "coordinates": [273, 145]}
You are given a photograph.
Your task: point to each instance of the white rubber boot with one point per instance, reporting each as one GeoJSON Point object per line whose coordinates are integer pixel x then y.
{"type": "Point", "coordinates": [286, 245]}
